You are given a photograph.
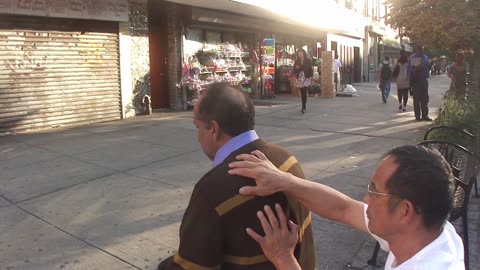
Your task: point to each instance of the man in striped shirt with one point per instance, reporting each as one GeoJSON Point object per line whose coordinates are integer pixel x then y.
{"type": "Point", "coordinates": [212, 233]}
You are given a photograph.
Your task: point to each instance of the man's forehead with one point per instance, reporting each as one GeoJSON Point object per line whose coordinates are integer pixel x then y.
{"type": "Point", "coordinates": [195, 107]}
{"type": "Point", "coordinates": [386, 168]}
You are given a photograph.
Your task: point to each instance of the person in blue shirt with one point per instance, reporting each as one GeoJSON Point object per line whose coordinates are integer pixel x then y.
{"type": "Point", "coordinates": [418, 67]}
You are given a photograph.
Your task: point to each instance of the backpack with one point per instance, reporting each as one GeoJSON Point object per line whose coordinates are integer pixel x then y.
{"type": "Point", "coordinates": [385, 72]}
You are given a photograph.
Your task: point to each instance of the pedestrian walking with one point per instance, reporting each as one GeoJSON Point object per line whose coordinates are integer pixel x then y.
{"type": "Point", "coordinates": [337, 66]}
{"type": "Point", "coordinates": [384, 78]}
{"type": "Point", "coordinates": [304, 73]}
{"type": "Point", "coordinates": [402, 79]}
{"type": "Point", "coordinates": [419, 72]}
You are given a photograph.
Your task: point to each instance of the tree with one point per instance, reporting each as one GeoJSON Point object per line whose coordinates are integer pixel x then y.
{"type": "Point", "coordinates": [452, 25]}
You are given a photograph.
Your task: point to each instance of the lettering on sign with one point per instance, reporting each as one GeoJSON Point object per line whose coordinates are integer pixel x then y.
{"type": "Point", "coordinates": [57, 7]}
{"type": "Point", "coordinates": [5, 4]}
{"type": "Point", "coordinates": [109, 10]}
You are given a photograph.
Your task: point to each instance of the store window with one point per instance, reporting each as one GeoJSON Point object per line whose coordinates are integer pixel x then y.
{"type": "Point", "coordinates": [228, 37]}
{"type": "Point", "coordinates": [195, 35]}
{"type": "Point", "coordinates": [213, 37]}
{"type": "Point", "coordinates": [211, 56]}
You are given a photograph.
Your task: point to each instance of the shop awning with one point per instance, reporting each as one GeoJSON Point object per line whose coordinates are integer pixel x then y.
{"type": "Point", "coordinates": [325, 15]}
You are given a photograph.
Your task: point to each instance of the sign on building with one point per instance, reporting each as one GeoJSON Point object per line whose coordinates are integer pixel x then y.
{"type": "Point", "coordinates": [109, 10]}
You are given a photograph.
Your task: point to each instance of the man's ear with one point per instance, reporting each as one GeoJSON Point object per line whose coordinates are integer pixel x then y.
{"type": "Point", "coordinates": [408, 211]}
{"type": "Point", "coordinates": [215, 129]}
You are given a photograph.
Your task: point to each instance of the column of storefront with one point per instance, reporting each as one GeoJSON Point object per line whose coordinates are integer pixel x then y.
{"type": "Point", "coordinates": [174, 56]}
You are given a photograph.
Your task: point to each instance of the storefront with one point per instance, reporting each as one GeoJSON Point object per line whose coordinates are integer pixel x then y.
{"type": "Point", "coordinates": [349, 51]}
{"type": "Point", "coordinates": [373, 37]}
{"type": "Point", "coordinates": [57, 71]}
{"type": "Point", "coordinates": [215, 55]}
{"type": "Point", "coordinates": [225, 48]}
{"type": "Point", "coordinates": [285, 54]}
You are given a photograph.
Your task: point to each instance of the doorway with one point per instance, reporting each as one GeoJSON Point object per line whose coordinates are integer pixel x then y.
{"type": "Point", "coordinates": [158, 33]}
{"type": "Point", "coordinates": [357, 76]}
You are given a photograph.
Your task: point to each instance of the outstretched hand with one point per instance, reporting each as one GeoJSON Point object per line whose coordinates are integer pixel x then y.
{"type": "Point", "coordinates": [268, 177]}
{"type": "Point", "coordinates": [280, 238]}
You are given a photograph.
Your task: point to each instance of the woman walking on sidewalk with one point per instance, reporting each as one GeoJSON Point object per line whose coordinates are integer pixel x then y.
{"type": "Point", "coordinates": [402, 78]}
{"type": "Point", "coordinates": [304, 73]}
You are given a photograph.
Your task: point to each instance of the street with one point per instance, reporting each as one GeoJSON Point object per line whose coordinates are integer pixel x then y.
{"type": "Point", "coordinates": [112, 195]}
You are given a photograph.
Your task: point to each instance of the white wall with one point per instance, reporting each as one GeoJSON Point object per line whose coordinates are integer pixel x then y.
{"type": "Point", "coordinates": [125, 46]}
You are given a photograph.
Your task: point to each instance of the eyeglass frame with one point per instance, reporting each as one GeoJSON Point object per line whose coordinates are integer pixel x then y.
{"type": "Point", "coordinates": [369, 191]}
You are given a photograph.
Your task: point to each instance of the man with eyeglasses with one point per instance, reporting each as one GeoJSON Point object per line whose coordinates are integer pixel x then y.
{"type": "Point", "coordinates": [406, 208]}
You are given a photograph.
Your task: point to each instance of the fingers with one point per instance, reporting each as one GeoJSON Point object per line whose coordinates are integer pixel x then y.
{"type": "Point", "coordinates": [242, 164]}
{"type": "Point", "coordinates": [294, 231]}
{"type": "Point", "coordinates": [271, 218]}
{"type": "Point", "coordinates": [293, 227]}
{"type": "Point", "coordinates": [249, 173]}
{"type": "Point", "coordinates": [255, 156]}
{"type": "Point", "coordinates": [281, 216]}
{"type": "Point", "coordinates": [248, 190]}
{"type": "Point", "coordinates": [248, 157]}
{"type": "Point", "coordinates": [259, 239]}
{"type": "Point", "coordinates": [265, 224]}
{"type": "Point", "coordinates": [259, 155]}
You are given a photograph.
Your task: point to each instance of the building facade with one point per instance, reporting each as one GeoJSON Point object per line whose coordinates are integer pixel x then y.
{"type": "Point", "coordinates": [73, 62]}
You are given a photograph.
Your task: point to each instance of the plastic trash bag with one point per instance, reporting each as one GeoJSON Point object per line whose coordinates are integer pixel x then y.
{"type": "Point", "coordinates": [350, 90]}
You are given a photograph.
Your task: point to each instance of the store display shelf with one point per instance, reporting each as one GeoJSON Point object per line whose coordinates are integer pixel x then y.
{"type": "Point", "coordinates": [194, 85]}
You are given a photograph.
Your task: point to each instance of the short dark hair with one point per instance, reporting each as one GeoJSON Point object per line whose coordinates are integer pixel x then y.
{"type": "Point", "coordinates": [231, 108]}
{"type": "Point", "coordinates": [425, 179]}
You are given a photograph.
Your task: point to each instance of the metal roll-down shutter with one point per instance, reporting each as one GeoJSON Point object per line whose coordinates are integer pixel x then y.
{"type": "Point", "coordinates": [57, 72]}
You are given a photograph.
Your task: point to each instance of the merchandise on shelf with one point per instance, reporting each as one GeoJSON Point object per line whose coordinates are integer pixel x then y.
{"type": "Point", "coordinates": [285, 58]}
{"type": "Point", "coordinates": [268, 55]}
{"type": "Point", "coordinates": [214, 64]}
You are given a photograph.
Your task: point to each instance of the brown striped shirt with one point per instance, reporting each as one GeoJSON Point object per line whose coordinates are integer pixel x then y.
{"type": "Point", "coordinates": [212, 233]}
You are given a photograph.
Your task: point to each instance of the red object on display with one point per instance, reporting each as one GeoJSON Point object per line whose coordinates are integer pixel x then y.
{"type": "Point", "coordinates": [255, 56]}
{"type": "Point", "coordinates": [269, 87]}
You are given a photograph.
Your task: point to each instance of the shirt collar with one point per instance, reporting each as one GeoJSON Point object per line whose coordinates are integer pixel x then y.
{"type": "Point", "coordinates": [234, 144]}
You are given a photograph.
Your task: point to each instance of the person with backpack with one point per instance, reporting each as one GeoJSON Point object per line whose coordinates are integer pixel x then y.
{"type": "Point", "coordinates": [384, 78]}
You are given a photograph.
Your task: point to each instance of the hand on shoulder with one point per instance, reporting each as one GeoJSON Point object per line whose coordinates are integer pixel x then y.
{"type": "Point", "coordinates": [269, 178]}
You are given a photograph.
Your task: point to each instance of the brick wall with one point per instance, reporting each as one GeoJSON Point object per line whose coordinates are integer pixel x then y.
{"type": "Point", "coordinates": [140, 53]}
{"type": "Point", "coordinates": [327, 75]}
{"type": "Point", "coordinates": [174, 56]}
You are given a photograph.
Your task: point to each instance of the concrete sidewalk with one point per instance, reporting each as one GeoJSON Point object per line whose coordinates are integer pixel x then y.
{"type": "Point", "coordinates": [112, 195]}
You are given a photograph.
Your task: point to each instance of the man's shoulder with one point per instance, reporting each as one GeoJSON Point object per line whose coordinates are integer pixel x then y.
{"type": "Point", "coordinates": [445, 252]}
{"type": "Point", "coordinates": [283, 159]}
{"type": "Point", "coordinates": [219, 177]}
{"type": "Point", "coordinates": [222, 180]}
